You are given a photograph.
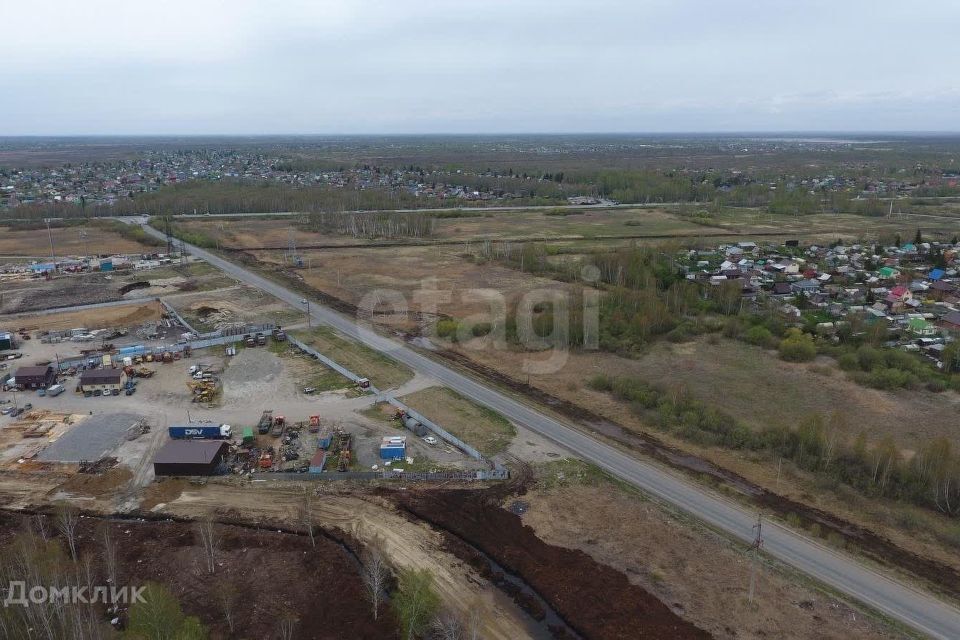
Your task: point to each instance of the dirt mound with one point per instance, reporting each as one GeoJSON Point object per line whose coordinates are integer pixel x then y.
{"type": "Point", "coordinates": [595, 600]}
{"type": "Point", "coordinates": [96, 485]}
{"type": "Point", "coordinates": [127, 288]}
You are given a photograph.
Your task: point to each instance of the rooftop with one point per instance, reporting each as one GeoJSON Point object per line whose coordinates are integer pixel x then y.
{"type": "Point", "coordinates": [189, 452]}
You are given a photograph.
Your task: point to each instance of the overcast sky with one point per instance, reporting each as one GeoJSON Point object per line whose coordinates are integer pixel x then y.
{"type": "Point", "coordinates": [477, 66]}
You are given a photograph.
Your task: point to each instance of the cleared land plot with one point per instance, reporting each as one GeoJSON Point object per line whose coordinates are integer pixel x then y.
{"type": "Point", "coordinates": [23, 294]}
{"type": "Point", "coordinates": [587, 224]}
{"type": "Point", "coordinates": [478, 426]}
{"type": "Point", "coordinates": [822, 227]}
{"type": "Point", "coordinates": [699, 574]}
{"type": "Point", "coordinates": [91, 439]}
{"type": "Point", "coordinates": [209, 311]}
{"type": "Point", "coordinates": [128, 315]}
{"type": "Point", "coordinates": [371, 276]}
{"type": "Point", "coordinates": [242, 233]}
{"type": "Point", "coordinates": [67, 241]}
{"type": "Point", "coordinates": [361, 360]}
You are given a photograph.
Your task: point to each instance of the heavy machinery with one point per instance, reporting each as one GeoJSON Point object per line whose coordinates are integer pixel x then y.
{"type": "Point", "coordinates": [203, 390]}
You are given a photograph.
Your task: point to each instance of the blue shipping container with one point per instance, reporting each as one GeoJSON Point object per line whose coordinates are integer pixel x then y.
{"type": "Point", "coordinates": [106, 265]}
{"type": "Point", "coordinates": [134, 350]}
{"type": "Point", "coordinates": [205, 431]}
{"type": "Point", "coordinates": [393, 453]}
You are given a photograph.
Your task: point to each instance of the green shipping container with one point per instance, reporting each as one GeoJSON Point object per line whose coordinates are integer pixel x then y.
{"type": "Point", "coordinates": [248, 435]}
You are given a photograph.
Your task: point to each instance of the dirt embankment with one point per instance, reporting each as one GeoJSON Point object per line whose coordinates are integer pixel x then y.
{"type": "Point", "coordinates": [268, 574]}
{"type": "Point", "coordinates": [595, 600]}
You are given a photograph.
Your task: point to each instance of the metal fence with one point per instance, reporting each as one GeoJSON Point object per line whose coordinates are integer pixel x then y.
{"type": "Point", "coordinates": [176, 315]}
{"type": "Point", "coordinates": [388, 474]}
{"type": "Point", "coordinates": [205, 341]}
{"type": "Point", "coordinates": [440, 432]}
{"type": "Point", "coordinates": [351, 376]}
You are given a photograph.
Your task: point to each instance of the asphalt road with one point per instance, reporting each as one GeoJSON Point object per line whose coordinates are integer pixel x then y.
{"type": "Point", "coordinates": [921, 611]}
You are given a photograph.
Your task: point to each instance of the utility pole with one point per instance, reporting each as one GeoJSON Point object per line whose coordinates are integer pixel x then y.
{"type": "Point", "coordinates": [53, 254]}
{"type": "Point", "coordinates": [755, 548]}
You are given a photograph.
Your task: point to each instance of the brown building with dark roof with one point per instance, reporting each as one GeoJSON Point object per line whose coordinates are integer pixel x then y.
{"type": "Point", "coordinates": [39, 377]}
{"type": "Point", "coordinates": [94, 379]}
{"type": "Point", "coordinates": [190, 458]}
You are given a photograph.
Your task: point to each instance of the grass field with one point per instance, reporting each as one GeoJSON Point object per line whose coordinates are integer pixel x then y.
{"type": "Point", "coordinates": [361, 360]}
{"type": "Point", "coordinates": [478, 426]}
{"type": "Point", "coordinates": [312, 373]}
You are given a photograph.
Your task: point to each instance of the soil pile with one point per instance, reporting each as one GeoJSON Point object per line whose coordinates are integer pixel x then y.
{"type": "Point", "coordinates": [595, 600]}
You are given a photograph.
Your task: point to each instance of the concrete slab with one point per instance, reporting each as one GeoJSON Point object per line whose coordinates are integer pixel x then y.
{"type": "Point", "coordinates": [93, 438]}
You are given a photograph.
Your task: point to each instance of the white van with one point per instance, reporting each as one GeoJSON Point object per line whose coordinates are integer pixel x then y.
{"type": "Point", "coordinates": [55, 390]}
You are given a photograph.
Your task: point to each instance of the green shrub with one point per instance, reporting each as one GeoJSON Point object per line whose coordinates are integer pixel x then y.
{"type": "Point", "coordinates": [848, 362]}
{"type": "Point", "coordinates": [481, 329]}
{"type": "Point", "coordinates": [447, 328]}
{"type": "Point", "coordinates": [798, 347]}
{"type": "Point", "coordinates": [759, 335]}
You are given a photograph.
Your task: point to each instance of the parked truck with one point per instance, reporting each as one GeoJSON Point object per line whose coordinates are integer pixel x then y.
{"type": "Point", "coordinates": [200, 431]}
{"type": "Point", "coordinates": [266, 421]}
{"type": "Point", "coordinates": [261, 340]}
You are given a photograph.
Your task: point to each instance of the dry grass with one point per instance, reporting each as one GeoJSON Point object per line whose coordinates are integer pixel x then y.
{"type": "Point", "coordinates": [478, 426]}
{"type": "Point", "coordinates": [365, 276]}
{"type": "Point", "coordinates": [762, 390]}
{"type": "Point", "coordinates": [67, 241]}
{"type": "Point", "coordinates": [384, 372]}
{"type": "Point", "coordinates": [700, 575]}
{"type": "Point", "coordinates": [122, 316]}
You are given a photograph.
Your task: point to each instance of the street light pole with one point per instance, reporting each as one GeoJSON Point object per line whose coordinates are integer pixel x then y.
{"type": "Point", "coordinates": [309, 320]}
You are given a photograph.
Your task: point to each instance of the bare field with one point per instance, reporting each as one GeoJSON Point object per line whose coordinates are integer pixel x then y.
{"type": "Point", "coordinates": [213, 309]}
{"type": "Point", "coordinates": [700, 575]}
{"type": "Point", "coordinates": [105, 317]}
{"type": "Point", "coordinates": [489, 432]}
{"type": "Point", "coordinates": [356, 275]}
{"type": "Point", "coordinates": [67, 241]}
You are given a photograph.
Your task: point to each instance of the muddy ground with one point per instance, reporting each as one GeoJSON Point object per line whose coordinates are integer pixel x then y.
{"type": "Point", "coordinates": [270, 572]}
{"type": "Point", "coordinates": [596, 600]}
